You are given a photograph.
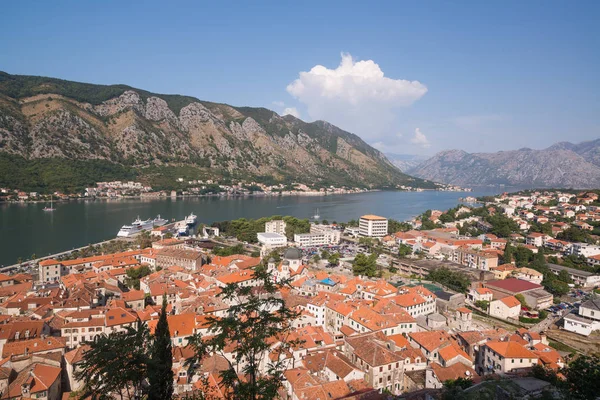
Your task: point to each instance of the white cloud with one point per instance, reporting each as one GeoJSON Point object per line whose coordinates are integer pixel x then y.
{"type": "Point", "coordinates": [356, 95]}
{"type": "Point", "coordinates": [420, 139]}
{"type": "Point", "coordinates": [291, 111]}
{"type": "Point", "coordinates": [278, 103]}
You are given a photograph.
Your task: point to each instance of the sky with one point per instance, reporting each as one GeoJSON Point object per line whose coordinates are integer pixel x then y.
{"type": "Point", "coordinates": [408, 77]}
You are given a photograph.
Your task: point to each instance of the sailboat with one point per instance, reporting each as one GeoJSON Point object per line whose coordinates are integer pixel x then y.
{"type": "Point", "coordinates": [316, 216]}
{"type": "Point", "coordinates": [50, 208]}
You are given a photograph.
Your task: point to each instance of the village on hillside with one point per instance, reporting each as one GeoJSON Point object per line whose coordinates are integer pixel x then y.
{"type": "Point", "coordinates": [489, 292]}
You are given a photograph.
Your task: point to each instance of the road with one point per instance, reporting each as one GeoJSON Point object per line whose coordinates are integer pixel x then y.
{"type": "Point", "coordinates": [549, 321]}
{"type": "Point", "coordinates": [37, 260]}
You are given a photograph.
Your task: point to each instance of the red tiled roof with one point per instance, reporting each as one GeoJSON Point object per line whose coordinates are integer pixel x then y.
{"type": "Point", "coordinates": [513, 285]}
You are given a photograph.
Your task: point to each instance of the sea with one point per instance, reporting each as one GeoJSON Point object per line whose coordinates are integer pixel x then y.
{"type": "Point", "coordinates": [25, 229]}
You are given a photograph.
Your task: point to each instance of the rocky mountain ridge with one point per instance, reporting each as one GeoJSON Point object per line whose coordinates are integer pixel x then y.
{"type": "Point", "coordinates": [562, 165]}
{"type": "Point", "coordinates": [46, 117]}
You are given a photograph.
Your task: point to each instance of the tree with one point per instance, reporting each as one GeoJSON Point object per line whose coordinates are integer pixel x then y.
{"type": "Point", "coordinates": [144, 240]}
{"type": "Point", "coordinates": [574, 234]}
{"type": "Point", "coordinates": [521, 299]}
{"type": "Point", "coordinates": [160, 373]}
{"type": "Point", "coordinates": [583, 378]}
{"type": "Point", "coordinates": [502, 226]}
{"type": "Point", "coordinates": [454, 280]}
{"type": "Point", "coordinates": [258, 319]}
{"type": "Point", "coordinates": [482, 304]}
{"type": "Point", "coordinates": [334, 259]}
{"type": "Point", "coordinates": [564, 277]}
{"type": "Point", "coordinates": [397, 226]}
{"type": "Point", "coordinates": [509, 250]}
{"type": "Point", "coordinates": [365, 265]}
{"type": "Point", "coordinates": [523, 256]}
{"type": "Point", "coordinates": [116, 364]}
{"type": "Point", "coordinates": [367, 242]}
{"type": "Point", "coordinates": [404, 250]}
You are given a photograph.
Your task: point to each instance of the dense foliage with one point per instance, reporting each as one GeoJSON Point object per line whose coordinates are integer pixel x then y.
{"type": "Point", "coordinates": [365, 265]}
{"type": "Point", "coordinates": [45, 175]}
{"type": "Point", "coordinates": [502, 225]}
{"type": "Point", "coordinates": [452, 279]}
{"type": "Point", "coordinates": [245, 229]}
{"type": "Point", "coordinates": [229, 251]}
{"type": "Point", "coordinates": [125, 352]}
{"type": "Point", "coordinates": [135, 274]}
{"type": "Point", "coordinates": [574, 234]}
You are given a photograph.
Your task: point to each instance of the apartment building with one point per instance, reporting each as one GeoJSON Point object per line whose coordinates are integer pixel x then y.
{"type": "Point", "coordinates": [502, 357]}
{"type": "Point", "coordinates": [275, 226]}
{"type": "Point", "coordinates": [373, 226]}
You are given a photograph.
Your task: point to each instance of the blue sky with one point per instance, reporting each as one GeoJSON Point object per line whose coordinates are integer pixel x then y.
{"type": "Point", "coordinates": [417, 77]}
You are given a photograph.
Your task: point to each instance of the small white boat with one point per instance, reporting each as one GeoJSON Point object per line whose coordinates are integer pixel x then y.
{"type": "Point", "coordinates": [316, 216]}
{"type": "Point", "coordinates": [191, 219]}
{"type": "Point", "coordinates": [49, 208]}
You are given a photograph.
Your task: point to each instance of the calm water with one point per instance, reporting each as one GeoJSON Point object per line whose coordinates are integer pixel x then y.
{"type": "Point", "coordinates": [25, 229]}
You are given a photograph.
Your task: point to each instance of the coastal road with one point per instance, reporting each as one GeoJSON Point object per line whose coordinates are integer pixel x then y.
{"type": "Point", "coordinates": [32, 263]}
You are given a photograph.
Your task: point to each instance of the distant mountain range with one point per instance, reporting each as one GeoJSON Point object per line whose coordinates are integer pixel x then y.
{"type": "Point", "coordinates": [564, 165]}
{"type": "Point", "coordinates": [47, 118]}
{"type": "Point", "coordinates": [405, 162]}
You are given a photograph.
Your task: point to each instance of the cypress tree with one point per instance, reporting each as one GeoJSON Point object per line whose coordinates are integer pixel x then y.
{"type": "Point", "coordinates": [160, 373]}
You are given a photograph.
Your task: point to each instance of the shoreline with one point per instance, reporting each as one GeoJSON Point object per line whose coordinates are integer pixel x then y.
{"type": "Point", "coordinates": [226, 196]}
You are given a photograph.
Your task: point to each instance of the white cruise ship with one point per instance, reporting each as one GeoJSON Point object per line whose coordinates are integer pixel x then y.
{"type": "Point", "coordinates": [136, 227]}
{"type": "Point", "coordinates": [158, 221]}
{"type": "Point", "coordinates": [191, 219]}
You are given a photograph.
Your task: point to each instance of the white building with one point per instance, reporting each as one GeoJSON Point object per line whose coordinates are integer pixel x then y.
{"type": "Point", "coordinates": [275, 226]}
{"type": "Point", "coordinates": [579, 277]}
{"type": "Point", "coordinates": [584, 249]}
{"type": "Point", "coordinates": [588, 319]}
{"type": "Point", "coordinates": [271, 240]}
{"type": "Point", "coordinates": [373, 226]}
{"type": "Point", "coordinates": [505, 308]}
{"type": "Point", "coordinates": [320, 235]}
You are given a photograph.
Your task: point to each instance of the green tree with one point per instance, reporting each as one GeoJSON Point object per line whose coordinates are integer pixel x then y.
{"type": "Point", "coordinates": [116, 364]}
{"type": "Point", "coordinates": [483, 304]}
{"type": "Point", "coordinates": [160, 373]}
{"type": "Point", "coordinates": [521, 299]}
{"type": "Point", "coordinates": [257, 318]}
{"type": "Point", "coordinates": [144, 240]}
{"type": "Point", "coordinates": [404, 250]}
{"type": "Point", "coordinates": [564, 276]}
{"type": "Point", "coordinates": [397, 226]}
{"type": "Point", "coordinates": [574, 234]}
{"type": "Point", "coordinates": [523, 256]}
{"type": "Point", "coordinates": [334, 259]}
{"type": "Point", "coordinates": [508, 255]}
{"type": "Point", "coordinates": [365, 265]}
{"type": "Point", "coordinates": [583, 378]}
{"type": "Point", "coordinates": [454, 280]}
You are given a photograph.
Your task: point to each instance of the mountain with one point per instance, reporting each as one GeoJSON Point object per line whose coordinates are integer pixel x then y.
{"type": "Point", "coordinates": [564, 164]}
{"type": "Point", "coordinates": [404, 162]}
{"type": "Point", "coordinates": [118, 127]}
